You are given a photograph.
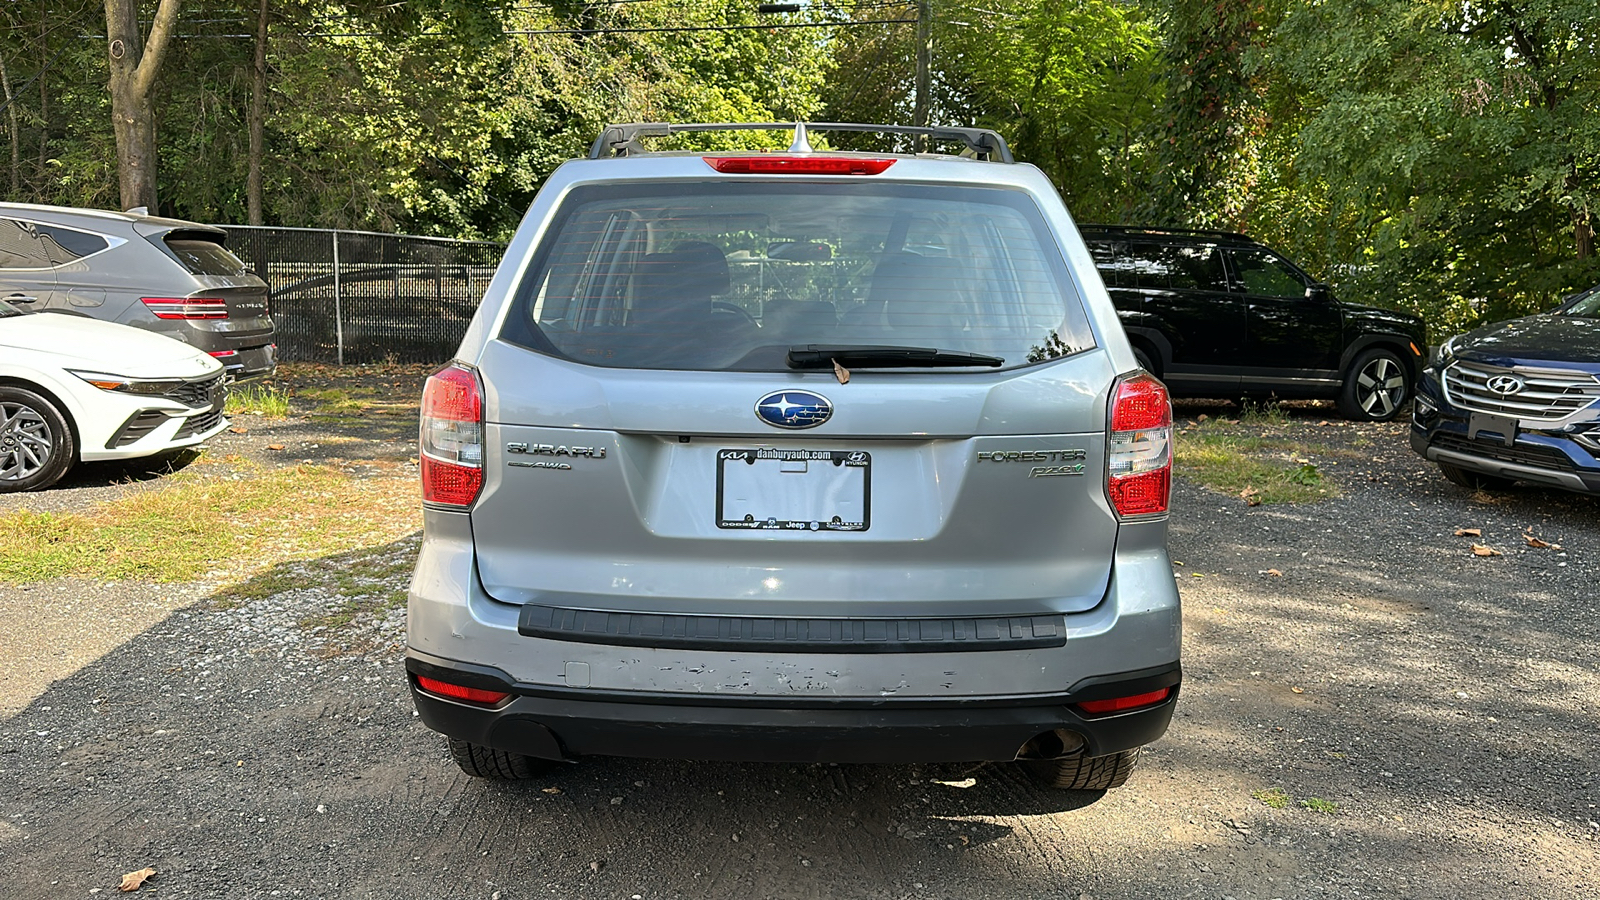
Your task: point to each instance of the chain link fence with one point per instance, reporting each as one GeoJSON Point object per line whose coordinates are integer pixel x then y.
{"type": "Point", "coordinates": [359, 297]}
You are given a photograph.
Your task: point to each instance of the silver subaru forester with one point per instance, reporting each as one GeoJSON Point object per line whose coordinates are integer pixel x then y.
{"type": "Point", "coordinates": [796, 456]}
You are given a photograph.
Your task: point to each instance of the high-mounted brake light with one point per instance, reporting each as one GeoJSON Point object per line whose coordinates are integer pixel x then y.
{"type": "Point", "coordinates": [1139, 455]}
{"type": "Point", "coordinates": [1122, 704]}
{"type": "Point", "coordinates": [798, 165]}
{"type": "Point", "coordinates": [460, 692]}
{"type": "Point", "coordinates": [451, 445]}
{"type": "Point", "coordinates": [187, 307]}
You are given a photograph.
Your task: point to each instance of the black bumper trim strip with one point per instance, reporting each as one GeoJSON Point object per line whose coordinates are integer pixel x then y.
{"type": "Point", "coordinates": [810, 635]}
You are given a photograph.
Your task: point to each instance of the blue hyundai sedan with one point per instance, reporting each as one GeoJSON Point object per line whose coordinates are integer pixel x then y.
{"type": "Point", "coordinates": [1517, 401]}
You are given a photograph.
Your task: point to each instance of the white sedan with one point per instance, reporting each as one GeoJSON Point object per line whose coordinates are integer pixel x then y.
{"type": "Point", "coordinates": [74, 388]}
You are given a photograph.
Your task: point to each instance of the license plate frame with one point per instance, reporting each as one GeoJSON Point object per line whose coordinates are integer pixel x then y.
{"type": "Point", "coordinates": [799, 505]}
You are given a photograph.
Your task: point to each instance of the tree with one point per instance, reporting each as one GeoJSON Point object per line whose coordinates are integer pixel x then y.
{"type": "Point", "coordinates": [1070, 84]}
{"type": "Point", "coordinates": [134, 62]}
{"type": "Point", "coordinates": [1457, 142]}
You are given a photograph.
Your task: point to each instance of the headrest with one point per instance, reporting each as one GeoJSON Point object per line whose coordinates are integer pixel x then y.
{"type": "Point", "coordinates": [905, 275]}
{"type": "Point", "coordinates": [694, 270]}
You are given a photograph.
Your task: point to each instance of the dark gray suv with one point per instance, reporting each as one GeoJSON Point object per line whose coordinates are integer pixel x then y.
{"type": "Point", "coordinates": [796, 456]}
{"type": "Point", "coordinates": [164, 275]}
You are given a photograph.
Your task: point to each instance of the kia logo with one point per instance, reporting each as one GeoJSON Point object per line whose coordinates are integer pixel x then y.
{"type": "Point", "coordinates": [1505, 385]}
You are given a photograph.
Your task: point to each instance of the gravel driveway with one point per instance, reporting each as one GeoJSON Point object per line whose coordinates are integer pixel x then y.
{"type": "Point", "coordinates": [1389, 716]}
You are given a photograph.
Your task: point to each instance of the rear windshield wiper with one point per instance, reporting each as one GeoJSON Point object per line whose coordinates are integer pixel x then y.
{"type": "Point", "coordinates": [822, 356]}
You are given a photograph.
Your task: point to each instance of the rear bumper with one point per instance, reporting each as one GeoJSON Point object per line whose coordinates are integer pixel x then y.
{"type": "Point", "coordinates": [564, 723]}
{"type": "Point", "coordinates": [252, 363]}
{"type": "Point", "coordinates": [770, 702]}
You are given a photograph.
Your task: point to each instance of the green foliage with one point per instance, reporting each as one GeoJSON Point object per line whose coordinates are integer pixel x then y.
{"type": "Point", "coordinates": [1440, 156]}
{"type": "Point", "coordinates": [1453, 150]}
{"type": "Point", "coordinates": [1070, 85]}
{"type": "Point", "coordinates": [432, 116]}
{"type": "Point", "coordinates": [1208, 131]}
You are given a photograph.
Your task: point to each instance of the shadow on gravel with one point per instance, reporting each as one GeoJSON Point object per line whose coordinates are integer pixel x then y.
{"type": "Point", "coordinates": [124, 471]}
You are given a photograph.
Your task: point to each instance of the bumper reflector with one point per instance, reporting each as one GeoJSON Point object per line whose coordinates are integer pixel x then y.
{"type": "Point", "coordinates": [1123, 704]}
{"type": "Point", "coordinates": [460, 692]}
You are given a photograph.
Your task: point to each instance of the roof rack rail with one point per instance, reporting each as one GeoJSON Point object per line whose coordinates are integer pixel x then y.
{"type": "Point", "coordinates": [1162, 229]}
{"type": "Point", "coordinates": [623, 140]}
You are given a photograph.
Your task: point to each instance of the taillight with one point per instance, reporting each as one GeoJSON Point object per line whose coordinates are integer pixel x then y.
{"type": "Point", "coordinates": [224, 354]}
{"type": "Point", "coordinates": [460, 692]}
{"type": "Point", "coordinates": [1139, 451]}
{"type": "Point", "coordinates": [187, 307]}
{"type": "Point", "coordinates": [798, 165]}
{"type": "Point", "coordinates": [1123, 704]}
{"type": "Point", "coordinates": [451, 445]}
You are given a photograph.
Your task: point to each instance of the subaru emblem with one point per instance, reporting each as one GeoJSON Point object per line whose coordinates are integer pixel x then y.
{"type": "Point", "coordinates": [794, 409]}
{"type": "Point", "coordinates": [1505, 385]}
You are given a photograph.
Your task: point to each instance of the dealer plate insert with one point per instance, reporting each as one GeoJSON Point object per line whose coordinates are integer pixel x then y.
{"type": "Point", "coordinates": [769, 489]}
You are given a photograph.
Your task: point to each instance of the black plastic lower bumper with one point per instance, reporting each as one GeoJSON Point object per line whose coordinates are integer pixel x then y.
{"type": "Point", "coordinates": [560, 723]}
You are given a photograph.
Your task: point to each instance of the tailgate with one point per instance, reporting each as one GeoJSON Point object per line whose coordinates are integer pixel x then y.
{"type": "Point", "coordinates": [923, 494]}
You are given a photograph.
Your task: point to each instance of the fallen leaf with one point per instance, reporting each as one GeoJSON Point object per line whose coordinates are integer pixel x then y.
{"type": "Point", "coordinates": [239, 430]}
{"type": "Point", "coordinates": [1250, 496]}
{"type": "Point", "coordinates": [274, 446]}
{"type": "Point", "coordinates": [1298, 690]}
{"type": "Point", "coordinates": [1481, 550]}
{"type": "Point", "coordinates": [1274, 573]}
{"type": "Point", "coordinates": [552, 790]}
{"type": "Point", "coordinates": [1197, 574]}
{"type": "Point", "coordinates": [1201, 418]}
{"type": "Point", "coordinates": [1324, 423]}
{"type": "Point", "coordinates": [133, 880]}
{"type": "Point", "coordinates": [1538, 544]}
{"type": "Point", "coordinates": [1469, 532]}
{"type": "Point", "coordinates": [841, 373]}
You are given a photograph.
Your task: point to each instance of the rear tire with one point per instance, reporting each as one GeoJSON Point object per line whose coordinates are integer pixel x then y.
{"type": "Point", "coordinates": [36, 444]}
{"type": "Point", "coordinates": [487, 762]}
{"type": "Point", "coordinates": [1475, 481]}
{"type": "Point", "coordinates": [1084, 773]}
{"type": "Point", "coordinates": [1376, 388]}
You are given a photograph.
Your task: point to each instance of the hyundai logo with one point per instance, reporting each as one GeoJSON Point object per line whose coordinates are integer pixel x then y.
{"type": "Point", "coordinates": [794, 409]}
{"type": "Point", "coordinates": [1505, 385]}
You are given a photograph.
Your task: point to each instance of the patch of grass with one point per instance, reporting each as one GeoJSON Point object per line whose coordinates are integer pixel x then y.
{"type": "Point", "coordinates": [333, 401]}
{"type": "Point", "coordinates": [1316, 804]}
{"type": "Point", "coordinates": [1275, 470]}
{"type": "Point", "coordinates": [1277, 798]}
{"type": "Point", "coordinates": [259, 400]}
{"type": "Point", "coordinates": [1263, 413]}
{"type": "Point", "coordinates": [210, 525]}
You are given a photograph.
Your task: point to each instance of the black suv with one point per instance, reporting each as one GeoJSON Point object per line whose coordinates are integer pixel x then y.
{"type": "Point", "coordinates": [1216, 314]}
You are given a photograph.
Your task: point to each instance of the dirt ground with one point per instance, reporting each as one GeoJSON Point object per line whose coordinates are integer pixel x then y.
{"type": "Point", "coordinates": [1387, 716]}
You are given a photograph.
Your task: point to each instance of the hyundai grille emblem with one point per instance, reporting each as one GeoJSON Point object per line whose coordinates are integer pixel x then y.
{"type": "Point", "coordinates": [1505, 385]}
{"type": "Point", "coordinates": [794, 409]}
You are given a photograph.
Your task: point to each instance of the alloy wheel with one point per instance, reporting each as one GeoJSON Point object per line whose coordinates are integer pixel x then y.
{"type": "Point", "coordinates": [25, 442]}
{"type": "Point", "coordinates": [1380, 387]}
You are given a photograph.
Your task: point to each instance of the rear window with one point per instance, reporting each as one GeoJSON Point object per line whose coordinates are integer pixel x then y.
{"type": "Point", "coordinates": [733, 276]}
{"type": "Point", "coordinates": [204, 256]}
{"type": "Point", "coordinates": [1160, 267]}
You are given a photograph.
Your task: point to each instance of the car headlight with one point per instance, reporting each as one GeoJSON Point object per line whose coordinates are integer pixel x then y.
{"type": "Point", "coordinates": [1444, 354]}
{"type": "Point", "coordinates": [121, 385]}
